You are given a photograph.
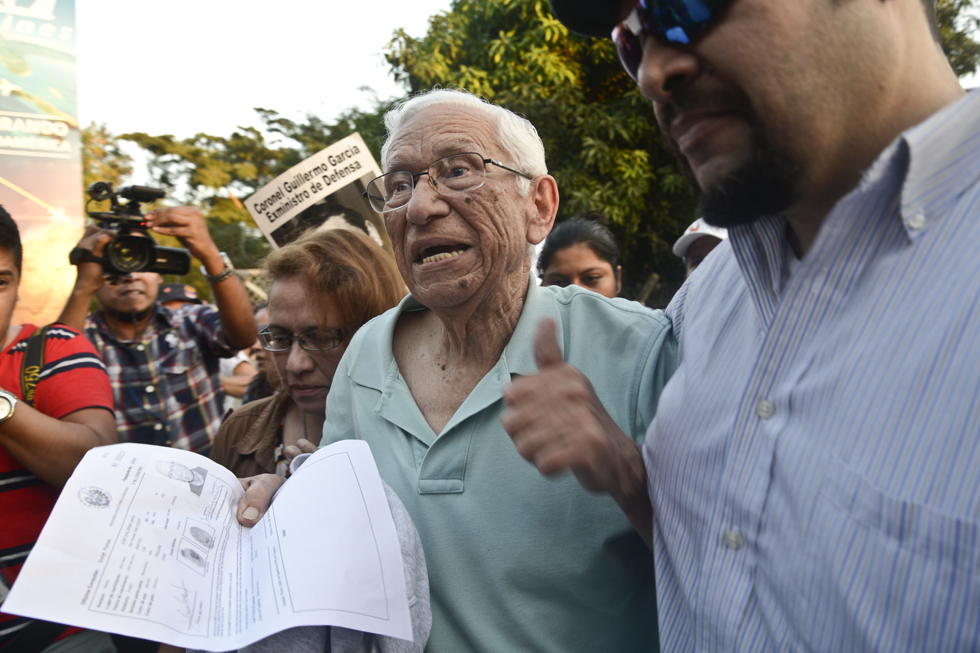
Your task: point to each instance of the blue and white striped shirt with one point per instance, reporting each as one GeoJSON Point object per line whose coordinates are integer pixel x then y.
{"type": "Point", "coordinates": [814, 464]}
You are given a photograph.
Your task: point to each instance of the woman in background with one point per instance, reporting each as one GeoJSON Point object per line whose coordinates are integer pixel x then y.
{"type": "Point", "coordinates": [582, 252]}
{"type": "Point", "coordinates": [322, 288]}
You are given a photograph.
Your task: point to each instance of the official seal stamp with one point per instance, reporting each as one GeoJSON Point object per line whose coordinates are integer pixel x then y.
{"type": "Point", "coordinates": [94, 497]}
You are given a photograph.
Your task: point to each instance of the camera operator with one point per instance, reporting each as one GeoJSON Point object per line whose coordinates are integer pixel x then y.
{"type": "Point", "coordinates": [164, 365]}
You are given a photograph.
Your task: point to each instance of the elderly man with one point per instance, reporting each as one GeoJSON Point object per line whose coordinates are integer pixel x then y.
{"type": "Point", "coordinates": [813, 462]}
{"type": "Point", "coordinates": [517, 562]}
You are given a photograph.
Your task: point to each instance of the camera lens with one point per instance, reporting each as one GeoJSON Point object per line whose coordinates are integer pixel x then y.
{"type": "Point", "coordinates": [131, 253]}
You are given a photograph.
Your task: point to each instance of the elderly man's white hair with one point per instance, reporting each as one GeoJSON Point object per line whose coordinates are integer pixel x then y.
{"type": "Point", "coordinates": [516, 136]}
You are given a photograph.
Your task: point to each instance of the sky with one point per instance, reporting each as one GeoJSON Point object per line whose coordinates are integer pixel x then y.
{"type": "Point", "coordinates": [186, 66]}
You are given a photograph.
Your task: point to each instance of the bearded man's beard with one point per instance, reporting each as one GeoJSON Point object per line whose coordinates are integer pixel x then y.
{"type": "Point", "coordinates": [765, 184]}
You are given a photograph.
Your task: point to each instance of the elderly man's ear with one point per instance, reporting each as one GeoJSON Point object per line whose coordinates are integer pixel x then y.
{"type": "Point", "coordinates": [544, 198]}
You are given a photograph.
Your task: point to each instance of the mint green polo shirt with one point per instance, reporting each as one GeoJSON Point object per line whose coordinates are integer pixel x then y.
{"type": "Point", "coordinates": [517, 561]}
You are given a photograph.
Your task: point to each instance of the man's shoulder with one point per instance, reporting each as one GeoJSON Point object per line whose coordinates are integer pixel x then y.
{"type": "Point", "coordinates": [71, 377]}
{"type": "Point", "coordinates": [200, 323]}
{"type": "Point", "coordinates": [192, 316]}
{"type": "Point", "coordinates": [585, 309]}
{"type": "Point", "coordinates": [59, 341]}
{"type": "Point", "coordinates": [251, 411]}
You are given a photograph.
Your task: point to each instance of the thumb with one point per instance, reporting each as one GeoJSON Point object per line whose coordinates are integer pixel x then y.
{"type": "Point", "coordinates": [546, 349]}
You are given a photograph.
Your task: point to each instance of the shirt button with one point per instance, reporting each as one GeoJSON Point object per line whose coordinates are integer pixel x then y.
{"type": "Point", "coordinates": [169, 442]}
{"type": "Point", "coordinates": [158, 427]}
{"type": "Point", "coordinates": [917, 221]}
{"type": "Point", "coordinates": [140, 347]}
{"type": "Point", "coordinates": [733, 539]}
{"type": "Point", "coordinates": [765, 408]}
{"type": "Point", "coordinates": [150, 389]}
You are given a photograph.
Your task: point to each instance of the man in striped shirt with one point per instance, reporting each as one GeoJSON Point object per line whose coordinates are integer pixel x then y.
{"type": "Point", "coordinates": [41, 444]}
{"type": "Point", "coordinates": [164, 365]}
{"type": "Point", "coordinates": [812, 467]}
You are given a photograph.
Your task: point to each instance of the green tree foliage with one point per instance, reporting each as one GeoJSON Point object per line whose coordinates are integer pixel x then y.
{"type": "Point", "coordinates": [102, 158]}
{"type": "Point", "coordinates": [601, 139]}
{"type": "Point", "coordinates": [958, 23]}
{"type": "Point", "coordinates": [603, 145]}
{"type": "Point", "coordinates": [216, 173]}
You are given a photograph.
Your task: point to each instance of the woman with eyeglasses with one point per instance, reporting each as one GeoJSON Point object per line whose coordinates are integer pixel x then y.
{"type": "Point", "coordinates": [322, 288]}
{"type": "Point", "coordinates": [582, 252]}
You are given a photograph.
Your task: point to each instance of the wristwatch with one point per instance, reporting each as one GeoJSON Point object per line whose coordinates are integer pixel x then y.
{"type": "Point", "coordinates": [221, 276]}
{"type": "Point", "coordinates": [8, 401]}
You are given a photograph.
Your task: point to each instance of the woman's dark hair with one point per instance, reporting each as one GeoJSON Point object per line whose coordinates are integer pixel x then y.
{"type": "Point", "coordinates": [587, 228]}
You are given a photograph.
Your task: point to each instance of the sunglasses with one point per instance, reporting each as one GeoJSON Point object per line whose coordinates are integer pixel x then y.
{"type": "Point", "coordinates": [669, 21]}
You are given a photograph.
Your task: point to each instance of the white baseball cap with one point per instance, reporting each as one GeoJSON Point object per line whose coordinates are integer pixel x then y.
{"type": "Point", "coordinates": [697, 229]}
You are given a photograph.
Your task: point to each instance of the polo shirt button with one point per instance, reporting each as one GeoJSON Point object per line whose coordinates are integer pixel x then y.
{"type": "Point", "coordinates": [765, 408]}
{"type": "Point", "coordinates": [150, 389]}
{"type": "Point", "coordinates": [140, 347]}
{"type": "Point", "coordinates": [158, 427]}
{"type": "Point", "coordinates": [917, 221]}
{"type": "Point", "coordinates": [169, 442]}
{"type": "Point", "coordinates": [733, 539]}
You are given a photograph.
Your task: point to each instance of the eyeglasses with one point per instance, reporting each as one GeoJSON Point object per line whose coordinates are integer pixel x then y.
{"type": "Point", "coordinates": [669, 21]}
{"type": "Point", "coordinates": [312, 340]}
{"type": "Point", "coordinates": [456, 173]}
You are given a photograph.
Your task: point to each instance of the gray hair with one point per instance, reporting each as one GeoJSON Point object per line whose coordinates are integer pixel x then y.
{"type": "Point", "coordinates": [515, 134]}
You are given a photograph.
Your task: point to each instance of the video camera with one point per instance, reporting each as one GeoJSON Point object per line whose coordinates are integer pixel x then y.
{"type": "Point", "coordinates": [132, 250]}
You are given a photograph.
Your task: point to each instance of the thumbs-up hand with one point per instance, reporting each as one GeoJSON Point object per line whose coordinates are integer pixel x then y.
{"type": "Point", "coordinates": [558, 423]}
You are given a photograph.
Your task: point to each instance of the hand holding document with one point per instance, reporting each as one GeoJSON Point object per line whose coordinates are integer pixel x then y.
{"type": "Point", "coordinates": [144, 542]}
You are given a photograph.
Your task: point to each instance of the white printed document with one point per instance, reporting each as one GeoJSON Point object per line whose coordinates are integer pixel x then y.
{"type": "Point", "coordinates": [144, 541]}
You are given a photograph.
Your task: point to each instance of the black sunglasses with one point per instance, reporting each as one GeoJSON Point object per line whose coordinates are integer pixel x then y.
{"type": "Point", "coordinates": [678, 22]}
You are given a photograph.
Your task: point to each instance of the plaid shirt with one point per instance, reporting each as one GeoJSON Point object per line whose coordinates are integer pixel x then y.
{"type": "Point", "coordinates": [166, 384]}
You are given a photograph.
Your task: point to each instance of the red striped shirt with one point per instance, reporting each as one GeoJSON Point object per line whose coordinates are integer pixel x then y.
{"type": "Point", "coordinates": [72, 378]}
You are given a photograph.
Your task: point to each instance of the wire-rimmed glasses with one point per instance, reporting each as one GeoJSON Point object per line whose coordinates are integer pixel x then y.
{"type": "Point", "coordinates": [456, 173]}
{"type": "Point", "coordinates": [312, 340]}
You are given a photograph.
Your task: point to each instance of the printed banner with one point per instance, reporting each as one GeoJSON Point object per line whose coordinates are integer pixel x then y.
{"type": "Point", "coordinates": [325, 189]}
{"type": "Point", "coordinates": [41, 148]}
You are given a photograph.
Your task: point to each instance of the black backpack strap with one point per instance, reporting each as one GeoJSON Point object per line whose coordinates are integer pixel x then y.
{"type": "Point", "coordinates": [30, 369]}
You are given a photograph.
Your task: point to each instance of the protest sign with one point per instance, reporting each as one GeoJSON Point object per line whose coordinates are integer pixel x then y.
{"type": "Point", "coordinates": [325, 189]}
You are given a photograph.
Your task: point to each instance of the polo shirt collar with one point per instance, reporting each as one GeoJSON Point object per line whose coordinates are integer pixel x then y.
{"type": "Point", "coordinates": [374, 362]}
{"type": "Point", "coordinates": [519, 352]}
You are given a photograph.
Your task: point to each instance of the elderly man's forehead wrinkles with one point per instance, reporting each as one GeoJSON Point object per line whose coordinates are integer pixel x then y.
{"type": "Point", "coordinates": [407, 157]}
{"type": "Point", "coordinates": [456, 146]}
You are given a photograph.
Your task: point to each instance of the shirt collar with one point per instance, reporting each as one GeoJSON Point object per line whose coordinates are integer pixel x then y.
{"type": "Point", "coordinates": [915, 163]}
{"type": "Point", "coordinates": [373, 360]}
{"type": "Point", "coordinates": [519, 352]}
{"type": "Point", "coordinates": [941, 163]}
{"type": "Point", "coordinates": [161, 316]}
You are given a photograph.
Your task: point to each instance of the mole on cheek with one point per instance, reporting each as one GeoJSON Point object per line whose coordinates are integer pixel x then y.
{"type": "Point", "coordinates": [469, 199]}
{"type": "Point", "coordinates": [462, 283]}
